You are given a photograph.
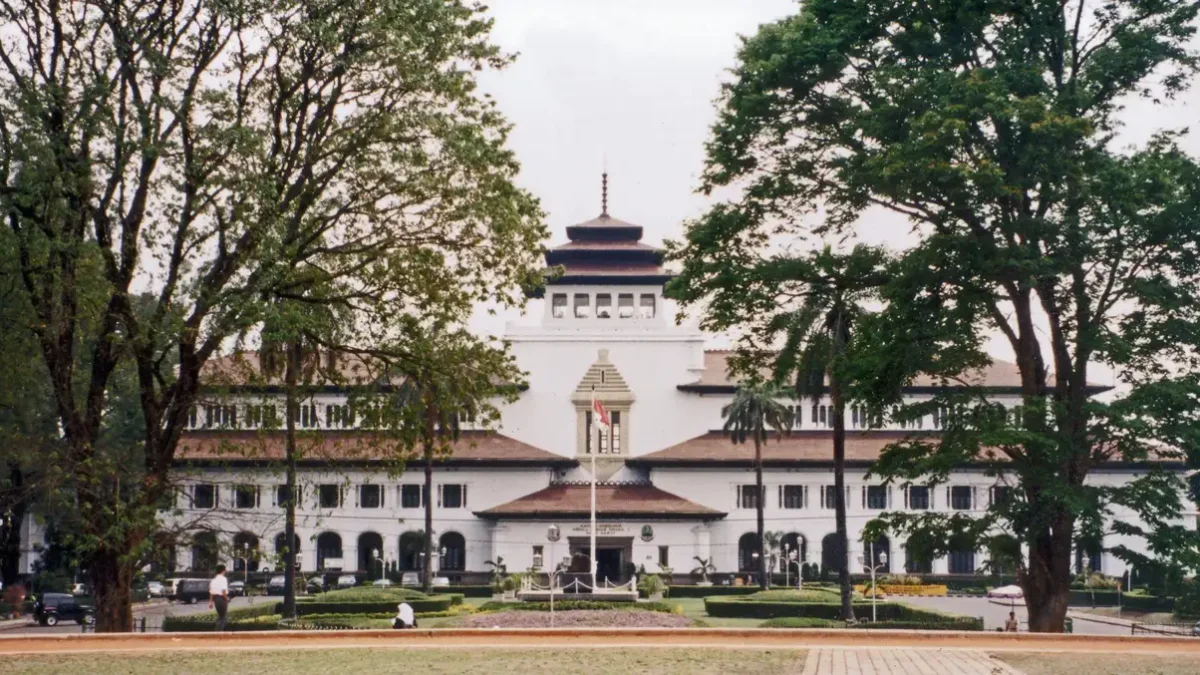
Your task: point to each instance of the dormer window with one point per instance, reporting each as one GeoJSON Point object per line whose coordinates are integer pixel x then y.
{"type": "Point", "coordinates": [625, 306]}
{"type": "Point", "coordinates": [583, 306]}
{"type": "Point", "coordinates": [558, 306]}
{"type": "Point", "coordinates": [646, 309]}
{"type": "Point", "coordinates": [603, 306]}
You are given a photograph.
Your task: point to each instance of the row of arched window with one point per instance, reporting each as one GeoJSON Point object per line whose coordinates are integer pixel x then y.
{"type": "Point", "coordinates": [246, 554]}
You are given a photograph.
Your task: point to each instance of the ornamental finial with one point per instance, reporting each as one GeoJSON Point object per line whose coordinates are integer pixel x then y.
{"type": "Point", "coordinates": [604, 193]}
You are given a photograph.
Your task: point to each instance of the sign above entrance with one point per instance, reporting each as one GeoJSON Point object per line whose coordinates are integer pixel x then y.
{"type": "Point", "coordinates": [602, 529]}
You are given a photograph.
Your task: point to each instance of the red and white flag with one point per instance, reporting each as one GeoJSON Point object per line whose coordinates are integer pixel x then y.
{"type": "Point", "coordinates": [601, 412]}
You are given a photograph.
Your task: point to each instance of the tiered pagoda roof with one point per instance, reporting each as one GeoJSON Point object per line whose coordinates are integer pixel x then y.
{"type": "Point", "coordinates": [606, 250]}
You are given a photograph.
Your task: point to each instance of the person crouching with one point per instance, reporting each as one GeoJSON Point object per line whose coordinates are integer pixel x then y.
{"type": "Point", "coordinates": [404, 617]}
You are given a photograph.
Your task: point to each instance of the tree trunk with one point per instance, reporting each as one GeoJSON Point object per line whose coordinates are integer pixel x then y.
{"type": "Point", "coordinates": [10, 528]}
{"type": "Point", "coordinates": [839, 487]}
{"type": "Point", "coordinates": [291, 375]}
{"type": "Point", "coordinates": [112, 583]}
{"type": "Point", "coordinates": [427, 567]}
{"type": "Point", "coordinates": [758, 502]}
{"type": "Point", "coordinates": [1046, 580]}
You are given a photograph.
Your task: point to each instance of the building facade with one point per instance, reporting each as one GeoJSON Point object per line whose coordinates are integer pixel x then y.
{"type": "Point", "coordinates": [671, 488]}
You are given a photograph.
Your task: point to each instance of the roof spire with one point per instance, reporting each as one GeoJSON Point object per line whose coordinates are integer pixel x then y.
{"type": "Point", "coordinates": [604, 193]}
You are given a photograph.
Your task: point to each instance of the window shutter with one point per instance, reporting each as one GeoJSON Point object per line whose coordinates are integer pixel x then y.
{"type": "Point", "coordinates": [905, 497]}
{"type": "Point", "coordinates": [779, 495]}
{"type": "Point", "coordinates": [357, 496]}
{"type": "Point", "coordinates": [439, 495]}
{"type": "Point", "coordinates": [974, 499]}
{"type": "Point", "coordinates": [889, 497]}
{"type": "Point", "coordinates": [216, 495]}
{"type": "Point", "coordinates": [821, 496]}
{"type": "Point", "coordinates": [464, 495]}
{"type": "Point", "coordinates": [948, 502]}
{"type": "Point", "coordinates": [257, 496]}
{"type": "Point", "coordinates": [382, 497]}
{"type": "Point", "coordinates": [864, 496]}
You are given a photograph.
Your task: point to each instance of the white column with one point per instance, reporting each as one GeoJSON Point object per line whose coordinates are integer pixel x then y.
{"type": "Point", "coordinates": [941, 565]}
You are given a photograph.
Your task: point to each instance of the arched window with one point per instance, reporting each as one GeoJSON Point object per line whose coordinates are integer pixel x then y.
{"type": "Point", "coordinates": [329, 545]}
{"type": "Point", "coordinates": [370, 554]}
{"type": "Point", "coordinates": [412, 546]}
{"type": "Point", "coordinates": [205, 551]}
{"type": "Point", "coordinates": [832, 552]}
{"type": "Point", "coordinates": [280, 543]}
{"type": "Point", "coordinates": [749, 548]}
{"type": "Point", "coordinates": [453, 548]}
{"type": "Point", "coordinates": [245, 552]}
{"type": "Point", "coordinates": [882, 546]}
{"type": "Point", "coordinates": [797, 548]}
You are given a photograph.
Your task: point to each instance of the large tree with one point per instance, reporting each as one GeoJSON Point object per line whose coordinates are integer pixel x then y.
{"type": "Point", "coordinates": [215, 154]}
{"type": "Point", "coordinates": [991, 126]}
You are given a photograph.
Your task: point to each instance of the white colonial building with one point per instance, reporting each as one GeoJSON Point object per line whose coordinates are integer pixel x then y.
{"type": "Point", "coordinates": [671, 487]}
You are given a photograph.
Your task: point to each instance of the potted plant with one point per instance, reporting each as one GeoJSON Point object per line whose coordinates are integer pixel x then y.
{"type": "Point", "coordinates": [497, 584]}
{"type": "Point", "coordinates": [510, 586]}
{"type": "Point", "coordinates": [653, 587]}
{"type": "Point", "coordinates": [704, 569]}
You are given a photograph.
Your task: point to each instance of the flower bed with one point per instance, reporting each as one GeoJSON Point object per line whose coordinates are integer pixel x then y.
{"type": "Point", "coordinates": [934, 590]}
{"type": "Point", "coordinates": [568, 605]}
{"type": "Point", "coordinates": [747, 608]}
{"type": "Point", "coordinates": [587, 618]}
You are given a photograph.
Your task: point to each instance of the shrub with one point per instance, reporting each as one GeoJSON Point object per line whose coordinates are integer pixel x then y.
{"type": "Point", "coordinates": [471, 591]}
{"type": "Point", "coordinates": [960, 623]}
{"type": "Point", "coordinates": [749, 609]}
{"type": "Point", "coordinates": [801, 622]}
{"type": "Point", "coordinates": [255, 617]}
{"type": "Point", "coordinates": [433, 603]}
{"type": "Point", "coordinates": [806, 595]}
{"type": "Point", "coordinates": [651, 584]}
{"type": "Point", "coordinates": [370, 594]}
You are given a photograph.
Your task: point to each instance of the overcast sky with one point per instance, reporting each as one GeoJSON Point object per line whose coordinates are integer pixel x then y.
{"type": "Point", "coordinates": [632, 82]}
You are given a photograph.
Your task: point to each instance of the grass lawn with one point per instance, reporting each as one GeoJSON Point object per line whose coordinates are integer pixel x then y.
{"type": "Point", "coordinates": [694, 608]}
{"type": "Point", "coordinates": [375, 661]}
{"type": "Point", "coordinates": [1043, 663]}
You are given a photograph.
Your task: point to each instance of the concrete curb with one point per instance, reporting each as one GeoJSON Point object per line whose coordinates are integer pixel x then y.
{"type": "Point", "coordinates": [13, 624]}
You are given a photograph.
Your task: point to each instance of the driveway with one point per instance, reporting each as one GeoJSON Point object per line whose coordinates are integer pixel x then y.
{"type": "Point", "coordinates": [154, 612]}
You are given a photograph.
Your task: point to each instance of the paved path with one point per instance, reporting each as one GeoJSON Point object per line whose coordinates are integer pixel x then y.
{"type": "Point", "coordinates": [892, 661]}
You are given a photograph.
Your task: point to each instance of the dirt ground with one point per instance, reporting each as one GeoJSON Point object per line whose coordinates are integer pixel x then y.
{"type": "Point", "coordinates": [493, 662]}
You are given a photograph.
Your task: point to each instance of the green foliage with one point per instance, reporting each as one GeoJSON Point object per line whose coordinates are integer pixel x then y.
{"type": "Point", "coordinates": [801, 622]}
{"type": "Point", "coordinates": [705, 591]}
{"type": "Point", "coordinates": [651, 584]}
{"type": "Point", "coordinates": [992, 133]}
{"type": "Point", "coordinates": [368, 594]}
{"type": "Point", "coordinates": [435, 603]}
{"type": "Point", "coordinates": [806, 595]}
{"type": "Point", "coordinates": [255, 617]}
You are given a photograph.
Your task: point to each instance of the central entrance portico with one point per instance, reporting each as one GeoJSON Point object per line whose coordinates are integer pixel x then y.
{"type": "Point", "coordinates": [612, 554]}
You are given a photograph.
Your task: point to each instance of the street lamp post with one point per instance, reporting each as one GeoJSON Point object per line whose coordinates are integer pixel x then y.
{"type": "Point", "coordinates": [553, 534]}
{"type": "Point", "coordinates": [883, 558]}
{"type": "Point", "coordinates": [798, 558]}
{"type": "Point", "coordinates": [1086, 562]}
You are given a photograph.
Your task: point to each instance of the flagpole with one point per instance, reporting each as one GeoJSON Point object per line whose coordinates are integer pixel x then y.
{"type": "Point", "coordinates": [592, 529]}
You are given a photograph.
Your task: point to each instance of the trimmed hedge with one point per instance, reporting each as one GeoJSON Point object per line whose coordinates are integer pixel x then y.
{"type": "Point", "coordinates": [801, 622]}
{"type": "Point", "coordinates": [706, 591]}
{"type": "Point", "coordinates": [470, 591]}
{"type": "Point", "coordinates": [1106, 598]}
{"type": "Point", "coordinates": [565, 605]}
{"type": "Point", "coordinates": [255, 617]}
{"type": "Point", "coordinates": [961, 623]}
{"type": "Point", "coordinates": [750, 609]}
{"type": "Point", "coordinates": [433, 603]}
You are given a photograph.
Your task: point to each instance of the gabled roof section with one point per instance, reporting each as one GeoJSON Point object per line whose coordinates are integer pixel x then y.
{"type": "Point", "coordinates": [474, 448]}
{"type": "Point", "coordinates": [602, 378]}
{"type": "Point", "coordinates": [999, 377]}
{"type": "Point", "coordinates": [613, 501]}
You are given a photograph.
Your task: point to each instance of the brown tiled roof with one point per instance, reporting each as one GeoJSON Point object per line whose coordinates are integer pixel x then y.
{"type": "Point", "coordinates": [566, 501]}
{"type": "Point", "coordinates": [996, 374]}
{"type": "Point", "coordinates": [245, 367]}
{"type": "Point", "coordinates": [798, 448]}
{"type": "Point", "coordinates": [472, 448]}
{"type": "Point", "coordinates": [802, 447]}
{"type": "Point", "coordinates": [619, 244]}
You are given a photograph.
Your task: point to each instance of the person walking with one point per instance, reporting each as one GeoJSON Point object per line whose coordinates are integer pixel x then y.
{"type": "Point", "coordinates": [218, 596]}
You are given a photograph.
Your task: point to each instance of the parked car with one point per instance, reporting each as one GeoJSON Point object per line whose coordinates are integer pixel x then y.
{"type": "Point", "coordinates": [1014, 592]}
{"type": "Point", "coordinates": [315, 585]}
{"type": "Point", "coordinates": [276, 585]}
{"type": "Point", "coordinates": [157, 589]}
{"type": "Point", "coordinates": [79, 589]}
{"type": "Point", "coordinates": [171, 586]}
{"type": "Point", "coordinates": [54, 607]}
{"type": "Point", "coordinates": [191, 591]}
{"type": "Point", "coordinates": [347, 581]}
{"type": "Point", "coordinates": [237, 588]}
{"type": "Point", "coordinates": [382, 583]}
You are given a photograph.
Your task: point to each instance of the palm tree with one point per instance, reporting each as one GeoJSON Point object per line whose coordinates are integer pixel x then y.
{"type": "Point", "coordinates": [814, 356]}
{"type": "Point", "coordinates": [755, 409]}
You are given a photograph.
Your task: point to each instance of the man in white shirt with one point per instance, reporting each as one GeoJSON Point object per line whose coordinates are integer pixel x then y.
{"type": "Point", "coordinates": [218, 596]}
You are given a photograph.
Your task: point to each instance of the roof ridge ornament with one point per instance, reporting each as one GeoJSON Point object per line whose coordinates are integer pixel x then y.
{"type": "Point", "coordinates": [604, 193]}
